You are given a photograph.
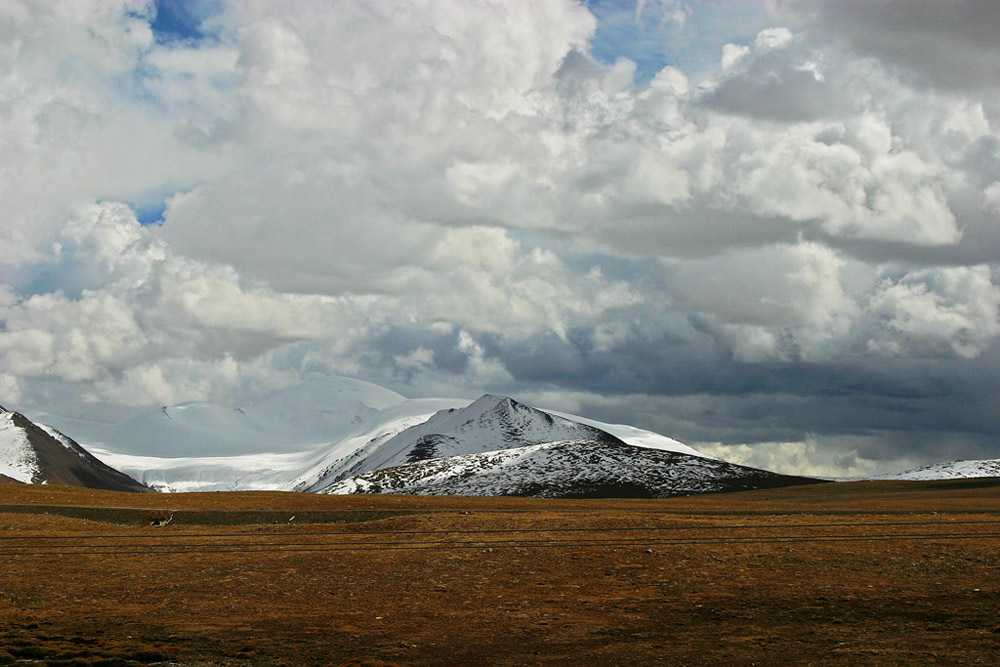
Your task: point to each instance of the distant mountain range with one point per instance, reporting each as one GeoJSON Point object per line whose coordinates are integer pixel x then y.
{"type": "Point", "coordinates": [320, 432]}
{"type": "Point", "coordinates": [337, 435]}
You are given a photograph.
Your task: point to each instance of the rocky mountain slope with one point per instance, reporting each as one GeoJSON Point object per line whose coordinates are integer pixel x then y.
{"type": "Point", "coordinates": [35, 454]}
{"type": "Point", "coordinates": [566, 469]}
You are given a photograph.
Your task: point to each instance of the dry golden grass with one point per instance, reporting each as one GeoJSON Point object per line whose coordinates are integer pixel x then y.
{"type": "Point", "coordinates": [698, 580]}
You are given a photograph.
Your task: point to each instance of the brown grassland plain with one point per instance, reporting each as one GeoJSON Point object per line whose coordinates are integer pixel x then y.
{"type": "Point", "coordinates": [861, 573]}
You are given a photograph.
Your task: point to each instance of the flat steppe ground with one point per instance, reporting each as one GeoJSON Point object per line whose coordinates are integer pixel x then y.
{"type": "Point", "coordinates": [859, 573]}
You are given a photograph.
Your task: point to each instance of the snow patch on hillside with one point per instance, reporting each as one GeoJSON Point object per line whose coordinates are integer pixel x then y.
{"type": "Point", "coordinates": [17, 457]}
{"type": "Point", "coordinates": [61, 439]}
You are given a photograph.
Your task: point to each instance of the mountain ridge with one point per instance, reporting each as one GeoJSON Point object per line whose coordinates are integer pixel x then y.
{"type": "Point", "coordinates": [33, 453]}
{"type": "Point", "coordinates": [324, 431]}
{"type": "Point", "coordinates": [160, 448]}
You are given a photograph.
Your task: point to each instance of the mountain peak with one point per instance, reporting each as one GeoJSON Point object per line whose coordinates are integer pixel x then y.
{"type": "Point", "coordinates": [491, 401]}
{"type": "Point", "coordinates": [490, 423]}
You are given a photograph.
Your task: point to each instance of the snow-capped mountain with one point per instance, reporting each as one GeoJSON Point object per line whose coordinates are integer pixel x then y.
{"type": "Point", "coordinates": [951, 470]}
{"type": "Point", "coordinates": [568, 469]}
{"type": "Point", "coordinates": [489, 423]}
{"type": "Point", "coordinates": [37, 454]}
{"type": "Point", "coordinates": [498, 446]}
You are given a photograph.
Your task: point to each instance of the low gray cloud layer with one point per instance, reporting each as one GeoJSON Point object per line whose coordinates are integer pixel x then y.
{"type": "Point", "coordinates": [795, 250]}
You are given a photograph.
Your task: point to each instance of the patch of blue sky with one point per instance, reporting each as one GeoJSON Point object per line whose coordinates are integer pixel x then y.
{"type": "Point", "coordinates": [686, 35]}
{"type": "Point", "coordinates": [183, 20]}
{"type": "Point", "coordinates": [150, 211]}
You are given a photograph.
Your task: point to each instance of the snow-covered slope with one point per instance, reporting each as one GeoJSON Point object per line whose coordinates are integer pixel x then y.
{"type": "Point", "coordinates": [351, 451]}
{"type": "Point", "coordinates": [951, 470]}
{"type": "Point", "coordinates": [578, 468]}
{"type": "Point", "coordinates": [17, 458]}
{"type": "Point", "coordinates": [314, 413]}
{"type": "Point", "coordinates": [37, 454]}
{"type": "Point", "coordinates": [252, 472]}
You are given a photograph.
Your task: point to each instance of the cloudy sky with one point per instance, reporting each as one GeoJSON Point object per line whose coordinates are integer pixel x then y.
{"type": "Point", "coordinates": [767, 228]}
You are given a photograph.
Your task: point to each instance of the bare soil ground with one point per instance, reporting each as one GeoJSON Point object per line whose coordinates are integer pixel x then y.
{"type": "Point", "coordinates": [870, 573]}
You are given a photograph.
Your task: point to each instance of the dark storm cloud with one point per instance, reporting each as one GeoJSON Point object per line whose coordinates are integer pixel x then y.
{"type": "Point", "coordinates": [388, 350]}
{"type": "Point", "coordinates": [688, 385]}
{"type": "Point", "coordinates": [953, 44]}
